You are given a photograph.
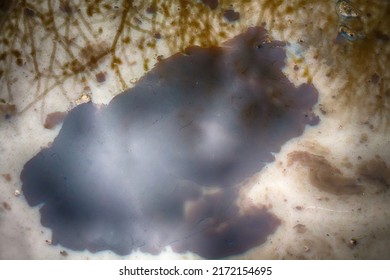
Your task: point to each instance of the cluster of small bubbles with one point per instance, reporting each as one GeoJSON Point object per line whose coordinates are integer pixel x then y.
{"type": "Point", "coordinates": [350, 23]}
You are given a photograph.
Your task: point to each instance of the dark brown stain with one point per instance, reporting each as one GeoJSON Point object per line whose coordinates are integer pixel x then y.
{"type": "Point", "coordinates": [54, 119]}
{"type": "Point", "coordinates": [7, 177]}
{"type": "Point", "coordinates": [231, 15]}
{"type": "Point", "coordinates": [6, 206]}
{"type": "Point", "coordinates": [375, 171]}
{"type": "Point", "coordinates": [375, 78]}
{"type": "Point", "coordinates": [151, 9]}
{"type": "Point", "coordinates": [133, 175]}
{"type": "Point", "coordinates": [324, 176]}
{"type": "Point", "coordinates": [100, 77]}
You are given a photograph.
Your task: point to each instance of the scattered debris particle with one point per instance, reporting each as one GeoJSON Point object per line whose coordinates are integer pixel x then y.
{"type": "Point", "coordinates": [53, 119]}
{"type": "Point", "coordinates": [151, 9]}
{"type": "Point", "coordinates": [353, 242]}
{"type": "Point", "coordinates": [64, 253]}
{"type": "Point", "coordinates": [48, 242]}
{"type": "Point", "coordinates": [299, 208]}
{"type": "Point", "coordinates": [101, 77]}
{"type": "Point", "coordinates": [84, 98]}
{"type": "Point", "coordinates": [306, 248]}
{"type": "Point", "coordinates": [17, 193]}
{"type": "Point", "coordinates": [160, 58]}
{"type": "Point", "coordinates": [346, 10]}
{"type": "Point", "coordinates": [300, 228]}
{"type": "Point", "coordinates": [231, 15]}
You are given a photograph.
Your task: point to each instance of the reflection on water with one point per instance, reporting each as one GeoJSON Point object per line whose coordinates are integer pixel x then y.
{"type": "Point", "coordinates": [162, 163]}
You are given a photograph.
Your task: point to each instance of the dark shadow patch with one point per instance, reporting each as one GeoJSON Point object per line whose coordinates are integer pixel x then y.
{"type": "Point", "coordinates": [161, 164]}
{"type": "Point", "coordinates": [324, 176]}
{"type": "Point", "coordinates": [377, 172]}
{"type": "Point", "coordinates": [231, 15]}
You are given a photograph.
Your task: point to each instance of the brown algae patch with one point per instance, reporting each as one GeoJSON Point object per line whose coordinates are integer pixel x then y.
{"type": "Point", "coordinates": [325, 176]}
{"type": "Point", "coordinates": [54, 119]}
{"type": "Point", "coordinates": [375, 171]}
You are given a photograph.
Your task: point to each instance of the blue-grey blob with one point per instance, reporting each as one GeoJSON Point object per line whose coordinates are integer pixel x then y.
{"type": "Point", "coordinates": [162, 163]}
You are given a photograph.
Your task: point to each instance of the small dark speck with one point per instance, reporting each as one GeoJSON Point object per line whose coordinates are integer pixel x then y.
{"type": "Point", "coordinates": [299, 208]}
{"type": "Point", "coordinates": [64, 253]}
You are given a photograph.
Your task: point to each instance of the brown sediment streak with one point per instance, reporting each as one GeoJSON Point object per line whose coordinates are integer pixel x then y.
{"type": "Point", "coordinates": [53, 119]}
{"type": "Point", "coordinates": [375, 171]}
{"type": "Point", "coordinates": [325, 176]}
{"type": "Point", "coordinates": [161, 164]}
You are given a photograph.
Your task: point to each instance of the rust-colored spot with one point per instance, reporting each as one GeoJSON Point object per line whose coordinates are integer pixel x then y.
{"type": "Point", "coordinates": [53, 119]}
{"type": "Point", "coordinates": [325, 176]}
{"type": "Point", "coordinates": [7, 177]}
{"type": "Point", "coordinates": [101, 77]}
